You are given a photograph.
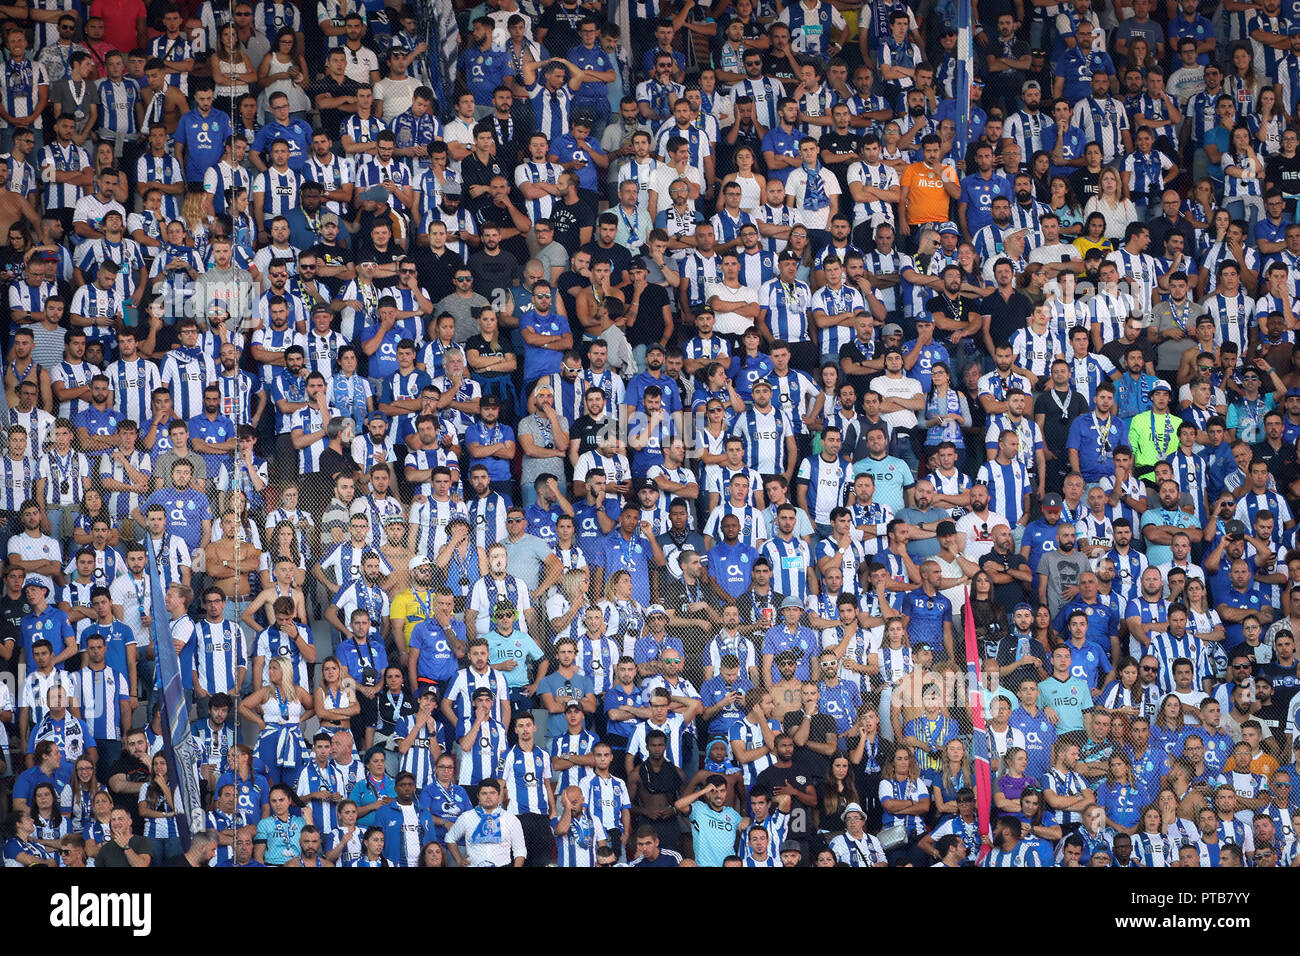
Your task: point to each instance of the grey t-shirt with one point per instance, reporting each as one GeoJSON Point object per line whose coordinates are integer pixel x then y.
{"type": "Point", "coordinates": [553, 256]}
{"type": "Point", "coordinates": [62, 93]}
{"type": "Point", "coordinates": [532, 468]}
{"type": "Point", "coordinates": [526, 556]}
{"type": "Point", "coordinates": [1061, 571]}
{"type": "Point", "coordinates": [464, 309]}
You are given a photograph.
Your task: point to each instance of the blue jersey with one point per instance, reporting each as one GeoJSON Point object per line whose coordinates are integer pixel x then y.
{"type": "Point", "coordinates": [186, 512]}
{"type": "Point", "coordinates": [927, 614]}
{"type": "Point", "coordinates": [297, 134]}
{"type": "Point", "coordinates": [1039, 734]}
{"type": "Point", "coordinates": [204, 139]}
{"type": "Point", "coordinates": [731, 566]}
{"type": "Point", "coordinates": [437, 661]}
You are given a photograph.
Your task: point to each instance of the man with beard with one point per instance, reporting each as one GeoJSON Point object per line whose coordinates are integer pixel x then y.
{"type": "Point", "coordinates": [788, 782]}
{"type": "Point", "coordinates": [1059, 570]}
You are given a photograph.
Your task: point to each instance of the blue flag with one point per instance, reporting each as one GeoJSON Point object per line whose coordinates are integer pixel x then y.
{"type": "Point", "coordinates": [178, 745]}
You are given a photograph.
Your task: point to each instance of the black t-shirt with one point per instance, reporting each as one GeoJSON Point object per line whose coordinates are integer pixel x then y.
{"type": "Point", "coordinates": [332, 120]}
{"type": "Point", "coordinates": [480, 345]}
{"type": "Point", "coordinates": [1281, 461]}
{"type": "Point", "coordinates": [1007, 595]}
{"type": "Point", "coordinates": [617, 256]}
{"type": "Point", "coordinates": [436, 271]}
{"type": "Point", "coordinates": [1056, 423]}
{"type": "Point", "coordinates": [840, 143]}
{"type": "Point", "coordinates": [795, 776]}
{"type": "Point", "coordinates": [475, 172]}
{"type": "Point", "coordinates": [854, 352]}
{"type": "Point", "coordinates": [12, 612]}
{"type": "Point", "coordinates": [1117, 351]}
{"type": "Point", "coordinates": [567, 286]}
{"type": "Point", "coordinates": [649, 325]}
{"type": "Point", "coordinates": [178, 862]}
{"type": "Point", "coordinates": [586, 430]}
{"type": "Point", "coordinates": [1006, 316]}
{"type": "Point", "coordinates": [492, 274]}
{"type": "Point", "coordinates": [136, 772]}
{"type": "Point", "coordinates": [569, 220]}
{"type": "Point", "coordinates": [1285, 175]}
{"type": "Point", "coordinates": [366, 252]}
{"type": "Point", "coordinates": [561, 26]}
{"type": "Point", "coordinates": [779, 68]}
{"type": "Point", "coordinates": [332, 255]}
{"type": "Point", "coordinates": [494, 215]}
{"type": "Point", "coordinates": [1085, 185]}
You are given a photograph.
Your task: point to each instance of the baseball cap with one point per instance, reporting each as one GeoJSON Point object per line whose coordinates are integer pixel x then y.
{"type": "Point", "coordinates": [786, 657]}
{"type": "Point", "coordinates": [892, 328]}
{"type": "Point", "coordinates": [481, 692]}
{"type": "Point", "coordinates": [1207, 319]}
{"type": "Point", "coordinates": [637, 262]}
{"type": "Point", "coordinates": [1052, 500]}
{"type": "Point", "coordinates": [375, 194]}
{"type": "Point", "coordinates": [503, 607]}
{"type": "Point", "coordinates": [419, 561]}
{"type": "Point", "coordinates": [655, 609]}
{"type": "Point", "coordinates": [1022, 606]}
{"type": "Point", "coordinates": [789, 255]}
{"type": "Point", "coordinates": [489, 400]}
{"type": "Point", "coordinates": [656, 347]}
{"type": "Point", "coordinates": [1293, 393]}
{"type": "Point", "coordinates": [451, 189]}
{"type": "Point", "coordinates": [376, 417]}
{"type": "Point", "coordinates": [1160, 386]}
{"type": "Point", "coordinates": [1028, 85]}
{"type": "Point", "coordinates": [1232, 528]}
{"type": "Point", "coordinates": [572, 705]}
{"type": "Point", "coordinates": [945, 528]}
{"type": "Point", "coordinates": [329, 218]}
{"type": "Point", "coordinates": [791, 602]}
{"type": "Point", "coordinates": [949, 229]}
{"type": "Point", "coordinates": [643, 484]}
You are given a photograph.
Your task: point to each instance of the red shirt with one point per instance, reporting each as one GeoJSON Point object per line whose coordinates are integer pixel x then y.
{"type": "Point", "coordinates": [120, 18]}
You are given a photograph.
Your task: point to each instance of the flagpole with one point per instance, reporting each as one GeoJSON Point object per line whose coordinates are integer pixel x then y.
{"type": "Point", "coordinates": [963, 76]}
{"type": "Point", "coordinates": [979, 729]}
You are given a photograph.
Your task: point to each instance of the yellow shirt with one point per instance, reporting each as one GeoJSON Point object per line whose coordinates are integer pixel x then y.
{"type": "Point", "coordinates": [412, 607]}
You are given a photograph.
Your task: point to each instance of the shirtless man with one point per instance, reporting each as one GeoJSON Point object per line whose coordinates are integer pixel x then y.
{"type": "Point", "coordinates": [283, 586]}
{"type": "Point", "coordinates": [227, 554]}
{"type": "Point", "coordinates": [14, 208]}
{"type": "Point", "coordinates": [787, 693]}
{"type": "Point", "coordinates": [905, 702]}
{"type": "Point", "coordinates": [397, 552]}
{"type": "Point", "coordinates": [21, 368]}
{"type": "Point", "coordinates": [174, 102]}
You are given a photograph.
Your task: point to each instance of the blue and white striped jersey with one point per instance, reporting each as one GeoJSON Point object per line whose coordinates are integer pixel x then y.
{"type": "Point", "coordinates": [220, 654]}
{"type": "Point", "coordinates": [527, 775]}
{"type": "Point", "coordinates": [576, 846]}
{"type": "Point", "coordinates": [486, 754]}
{"type": "Point", "coordinates": [607, 797]}
{"type": "Point", "coordinates": [580, 745]}
{"type": "Point", "coordinates": [175, 49]}
{"type": "Point", "coordinates": [99, 694]}
{"type": "Point", "coordinates": [276, 190]}
{"type": "Point", "coordinates": [317, 779]}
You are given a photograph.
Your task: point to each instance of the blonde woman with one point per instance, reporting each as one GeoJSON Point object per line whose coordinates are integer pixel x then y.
{"type": "Point", "coordinates": [568, 602]}
{"type": "Point", "coordinates": [335, 700]}
{"type": "Point", "coordinates": [1112, 203]}
{"type": "Point", "coordinates": [753, 187]}
{"type": "Point", "coordinates": [278, 710]}
{"type": "Point", "coordinates": [194, 213]}
{"type": "Point", "coordinates": [906, 803]}
{"type": "Point", "coordinates": [1243, 178]}
{"type": "Point", "coordinates": [624, 617]}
